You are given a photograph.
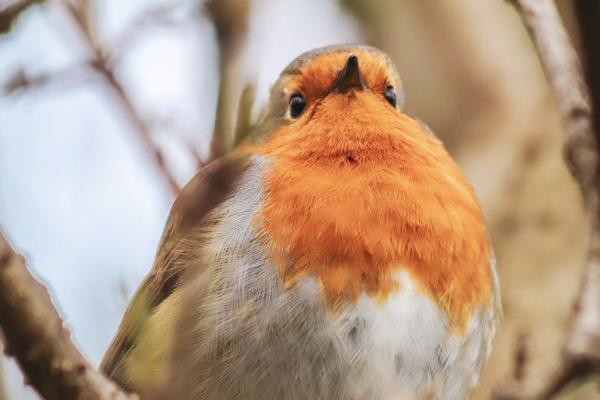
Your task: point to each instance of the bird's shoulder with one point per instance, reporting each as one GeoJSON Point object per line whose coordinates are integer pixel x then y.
{"type": "Point", "coordinates": [203, 193]}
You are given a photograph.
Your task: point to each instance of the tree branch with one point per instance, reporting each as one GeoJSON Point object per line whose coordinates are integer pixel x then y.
{"type": "Point", "coordinates": [230, 18]}
{"type": "Point", "coordinates": [81, 14]}
{"type": "Point", "coordinates": [9, 14]}
{"type": "Point", "coordinates": [588, 16]}
{"type": "Point", "coordinates": [581, 349]}
{"type": "Point", "coordinates": [3, 395]}
{"type": "Point", "coordinates": [243, 123]}
{"type": "Point", "coordinates": [101, 64]}
{"type": "Point", "coordinates": [36, 338]}
{"type": "Point", "coordinates": [138, 124]}
{"type": "Point", "coordinates": [21, 80]}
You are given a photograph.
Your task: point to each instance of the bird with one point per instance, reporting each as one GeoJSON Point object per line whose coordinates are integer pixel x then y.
{"type": "Point", "coordinates": [338, 252]}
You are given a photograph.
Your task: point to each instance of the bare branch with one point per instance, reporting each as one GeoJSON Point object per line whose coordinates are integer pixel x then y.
{"type": "Point", "coordinates": [139, 125]}
{"type": "Point", "coordinates": [191, 147]}
{"type": "Point", "coordinates": [21, 80]}
{"type": "Point", "coordinates": [186, 136]}
{"type": "Point", "coordinates": [36, 338]}
{"type": "Point", "coordinates": [82, 12]}
{"type": "Point", "coordinates": [3, 395]}
{"type": "Point", "coordinates": [521, 358]}
{"type": "Point", "coordinates": [101, 64]}
{"type": "Point", "coordinates": [244, 116]}
{"type": "Point", "coordinates": [82, 16]}
{"type": "Point", "coordinates": [581, 349]}
{"type": "Point", "coordinates": [230, 18]}
{"type": "Point", "coordinates": [588, 16]}
{"type": "Point", "coordinates": [563, 71]}
{"type": "Point", "coordinates": [9, 14]}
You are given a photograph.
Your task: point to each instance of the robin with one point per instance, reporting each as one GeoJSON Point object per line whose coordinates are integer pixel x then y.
{"type": "Point", "coordinates": [338, 253]}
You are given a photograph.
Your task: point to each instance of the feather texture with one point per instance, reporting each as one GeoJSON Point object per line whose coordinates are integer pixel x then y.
{"type": "Point", "coordinates": [338, 255]}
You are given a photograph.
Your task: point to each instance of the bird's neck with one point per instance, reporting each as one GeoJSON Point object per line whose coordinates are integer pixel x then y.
{"type": "Point", "coordinates": [355, 211]}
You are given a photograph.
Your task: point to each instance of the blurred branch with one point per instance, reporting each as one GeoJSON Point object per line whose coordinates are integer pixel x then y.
{"type": "Point", "coordinates": [9, 14]}
{"type": "Point", "coordinates": [81, 14]}
{"type": "Point", "coordinates": [100, 64]}
{"type": "Point", "coordinates": [103, 59]}
{"type": "Point", "coordinates": [36, 337]}
{"type": "Point", "coordinates": [230, 18]}
{"type": "Point", "coordinates": [3, 395]}
{"type": "Point", "coordinates": [563, 71]}
{"type": "Point", "coordinates": [581, 348]}
{"type": "Point", "coordinates": [21, 80]}
{"type": "Point", "coordinates": [244, 114]}
{"type": "Point", "coordinates": [191, 146]}
{"type": "Point", "coordinates": [139, 125]}
{"type": "Point", "coordinates": [588, 16]}
{"type": "Point", "coordinates": [521, 358]}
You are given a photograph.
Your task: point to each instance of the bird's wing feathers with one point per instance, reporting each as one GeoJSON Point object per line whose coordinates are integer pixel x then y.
{"type": "Point", "coordinates": [207, 189]}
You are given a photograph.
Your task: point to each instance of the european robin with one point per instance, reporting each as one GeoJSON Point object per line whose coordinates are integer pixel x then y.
{"type": "Point", "coordinates": [338, 253]}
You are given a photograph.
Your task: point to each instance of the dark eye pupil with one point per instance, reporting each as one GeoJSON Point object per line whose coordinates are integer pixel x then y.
{"type": "Point", "coordinates": [297, 105]}
{"type": "Point", "coordinates": [390, 95]}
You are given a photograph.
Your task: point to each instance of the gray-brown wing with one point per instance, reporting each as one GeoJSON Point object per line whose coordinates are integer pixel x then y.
{"type": "Point", "coordinates": [207, 189]}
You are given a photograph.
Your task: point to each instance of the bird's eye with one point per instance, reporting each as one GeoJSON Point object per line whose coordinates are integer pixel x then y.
{"type": "Point", "coordinates": [297, 105]}
{"type": "Point", "coordinates": [390, 95]}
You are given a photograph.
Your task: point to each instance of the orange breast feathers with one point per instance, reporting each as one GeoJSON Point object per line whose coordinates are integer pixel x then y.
{"type": "Point", "coordinates": [358, 191]}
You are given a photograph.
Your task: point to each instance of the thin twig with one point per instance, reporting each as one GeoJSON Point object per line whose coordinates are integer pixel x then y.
{"type": "Point", "coordinates": [521, 358]}
{"type": "Point", "coordinates": [9, 14]}
{"type": "Point", "coordinates": [82, 16]}
{"type": "Point", "coordinates": [101, 64]}
{"type": "Point", "coordinates": [230, 18]}
{"type": "Point", "coordinates": [191, 147]}
{"type": "Point", "coordinates": [21, 80]}
{"type": "Point", "coordinates": [3, 395]}
{"type": "Point", "coordinates": [244, 115]}
{"type": "Point", "coordinates": [36, 337]}
{"type": "Point", "coordinates": [581, 349]}
{"type": "Point", "coordinates": [138, 124]}
{"type": "Point", "coordinates": [588, 16]}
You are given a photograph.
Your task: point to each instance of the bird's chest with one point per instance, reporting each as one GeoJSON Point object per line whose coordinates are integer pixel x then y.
{"type": "Point", "coordinates": [355, 228]}
{"type": "Point", "coordinates": [292, 321]}
{"type": "Point", "coordinates": [287, 342]}
{"type": "Point", "coordinates": [400, 345]}
{"type": "Point", "coordinates": [270, 341]}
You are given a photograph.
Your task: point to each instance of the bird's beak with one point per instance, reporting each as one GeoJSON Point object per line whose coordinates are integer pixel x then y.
{"type": "Point", "coordinates": [349, 77]}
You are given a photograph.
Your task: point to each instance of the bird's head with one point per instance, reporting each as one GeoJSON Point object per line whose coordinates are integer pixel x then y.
{"type": "Point", "coordinates": [328, 77]}
{"type": "Point", "coordinates": [340, 102]}
{"type": "Point", "coordinates": [326, 86]}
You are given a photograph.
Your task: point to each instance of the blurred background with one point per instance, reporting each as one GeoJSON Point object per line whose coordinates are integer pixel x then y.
{"type": "Point", "coordinates": [107, 106]}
